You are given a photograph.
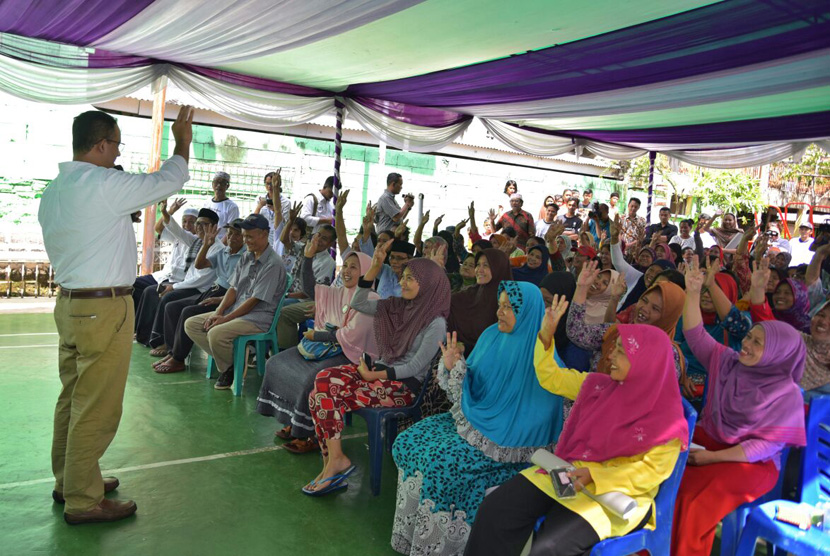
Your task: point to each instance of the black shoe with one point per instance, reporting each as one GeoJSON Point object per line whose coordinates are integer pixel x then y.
{"type": "Point", "coordinates": [225, 380]}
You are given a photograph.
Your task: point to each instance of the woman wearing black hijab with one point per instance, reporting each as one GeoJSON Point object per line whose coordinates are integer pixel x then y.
{"type": "Point", "coordinates": [563, 284]}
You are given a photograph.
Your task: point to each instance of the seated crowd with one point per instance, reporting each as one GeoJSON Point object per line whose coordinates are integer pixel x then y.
{"type": "Point", "coordinates": [578, 332]}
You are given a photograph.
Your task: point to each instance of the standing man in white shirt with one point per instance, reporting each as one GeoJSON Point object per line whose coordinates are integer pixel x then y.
{"type": "Point", "coordinates": [318, 211]}
{"type": "Point", "coordinates": [543, 224]}
{"type": "Point", "coordinates": [800, 246]}
{"type": "Point", "coordinates": [88, 234]}
{"type": "Point", "coordinates": [227, 210]}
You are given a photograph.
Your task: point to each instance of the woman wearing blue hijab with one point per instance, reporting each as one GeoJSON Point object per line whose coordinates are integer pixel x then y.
{"type": "Point", "coordinates": [536, 267]}
{"type": "Point", "coordinates": [500, 416]}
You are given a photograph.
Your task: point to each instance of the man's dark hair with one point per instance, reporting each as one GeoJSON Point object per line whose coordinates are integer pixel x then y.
{"type": "Point", "coordinates": [330, 229]}
{"type": "Point", "coordinates": [667, 209]}
{"type": "Point", "coordinates": [329, 183]}
{"type": "Point", "coordinates": [90, 128]}
{"type": "Point", "coordinates": [615, 194]}
{"type": "Point", "coordinates": [509, 232]}
{"type": "Point", "coordinates": [588, 192]}
{"type": "Point", "coordinates": [674, 276]}
{"type": "Point", "coordinates": [392, 177]}
{"type": "Point", "coordinates": [572, 199]}
{"type": "Point", "coordinates": [635, 200]}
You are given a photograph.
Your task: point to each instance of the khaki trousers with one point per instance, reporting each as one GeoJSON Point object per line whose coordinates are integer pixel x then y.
{"type": "Point", "coordinates": [287, 324]}
{"type": "Point", "coordinates": [218, 341]}
{"type": "Point", "coordinates": [96, 337]}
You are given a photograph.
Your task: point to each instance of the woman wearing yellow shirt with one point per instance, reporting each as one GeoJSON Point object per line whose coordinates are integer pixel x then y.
{"type": "Point", "coordinates": [624, 434]}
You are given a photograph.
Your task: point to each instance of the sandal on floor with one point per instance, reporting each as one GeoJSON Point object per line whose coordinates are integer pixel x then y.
{"type": "Point", "coordinates": [159, 351]}
{"type": "Point", "coordinates": [301, 446]}
{"type": "Point", "coordinates": [162, 361]}
{"type": "Point", "coordinates": [337, 482]}
{"type": "Point", "coordinates": [284, 433]}
{"type": "Point", "coordinates": [166, 369]}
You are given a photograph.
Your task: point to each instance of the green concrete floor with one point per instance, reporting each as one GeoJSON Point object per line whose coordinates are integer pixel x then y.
{"type": "Point", "coordinates": [245, 503]}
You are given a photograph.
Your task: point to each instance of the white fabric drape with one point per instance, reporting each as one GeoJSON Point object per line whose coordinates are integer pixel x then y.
{"type": "Point", "coordinates": [542, 144]}
{"type": "Point", "coordinates": [404, 136]}
{"type": "Point", "coordinates": [744, 157]}
{"type": "Point", "coordinates": [40, 83]}
{"type": "Point", "coordinates": [275, 110]}
{"type": "Point", "coordinates": [215, 33]}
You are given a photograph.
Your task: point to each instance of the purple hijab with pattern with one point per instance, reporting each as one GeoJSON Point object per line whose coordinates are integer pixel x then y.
{"type": "Point", "coordinates": [763, 401]}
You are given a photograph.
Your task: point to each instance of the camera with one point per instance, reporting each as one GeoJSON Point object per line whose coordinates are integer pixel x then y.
{"type": "Point", "coordinates": [594, 210]}
{"type": "Point", "coordinates": [269, 201]}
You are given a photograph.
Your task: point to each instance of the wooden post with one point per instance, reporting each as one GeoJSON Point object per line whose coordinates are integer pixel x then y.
{"type": "Point", "coordinates": [37, 280]}
{"type": "Point", "coordinates": [148, 242]}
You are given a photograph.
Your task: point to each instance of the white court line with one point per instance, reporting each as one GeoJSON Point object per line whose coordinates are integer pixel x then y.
{"type": "Point", "coordinates": [170, 463]}
{"type": "Point", "coordinates": [30, 334]}
{"type": "Point", "coordinates": [30, 346]}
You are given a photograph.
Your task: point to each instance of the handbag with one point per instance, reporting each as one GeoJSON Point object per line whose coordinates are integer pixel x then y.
{"type": "Point", "coordinates": [317, 351]}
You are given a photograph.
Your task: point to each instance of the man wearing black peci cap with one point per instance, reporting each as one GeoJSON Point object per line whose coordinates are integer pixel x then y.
{"type": "Point", "coordinates": [84, 213]}
{"type": "Point", "coordinates": [256, 288]}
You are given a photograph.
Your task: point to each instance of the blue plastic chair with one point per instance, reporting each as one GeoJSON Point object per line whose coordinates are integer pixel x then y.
{"type": "Point", "coordinates": [383, 422]}
{"type": "Point", "coordinates": [815, 488]}
{"type": "Point", "coordinates": [658, 541]}
{"type": "Point", "coordinates": [262, 342]}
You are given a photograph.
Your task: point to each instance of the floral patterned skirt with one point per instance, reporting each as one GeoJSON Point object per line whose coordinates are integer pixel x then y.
{"type": "Point", "coordinates": [442, 481]}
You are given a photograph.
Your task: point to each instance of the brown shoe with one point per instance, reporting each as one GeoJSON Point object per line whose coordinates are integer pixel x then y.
{"type": "Point", "coordinates": [110, 484]}
{"type": "Point", "coordinates": [106, 510]}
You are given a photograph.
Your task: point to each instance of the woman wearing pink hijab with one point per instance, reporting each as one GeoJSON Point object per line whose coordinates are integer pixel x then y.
{"type": "Point", "coordinates": [624, 434]}
{"type": "Point", "coordinates": [754, 409]}
{"type": "Point", "coordinates": [346, 334]}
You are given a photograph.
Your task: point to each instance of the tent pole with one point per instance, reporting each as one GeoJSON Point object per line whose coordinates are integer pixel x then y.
{"type": "Point", "coordinates": [148, 241]}
{"type": "Point", "coordinates": [651, 158]}
{"type": "Point", "coordinates": [340, 110]}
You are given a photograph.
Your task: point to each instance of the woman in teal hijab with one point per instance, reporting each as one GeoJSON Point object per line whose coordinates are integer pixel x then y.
{"type": "Point", "coordinates": [500, 416]}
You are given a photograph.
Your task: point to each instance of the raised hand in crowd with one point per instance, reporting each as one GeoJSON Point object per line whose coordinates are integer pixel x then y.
{"type": "Point", "coordinates": [618, 287]}
{"type": "Point", "coordinates": [436, 224]}
{"type": "Point", "coordinates": [553, 314]}
{"type": "Point", "coordinates": [556, 229]}
{"type": "Point", "coordinates": [378, 259]}
{"type": "Point", "coordinates": [452, 352]}
{"type": "Point", "coordinates": [586, 278]}
{"type": "Point", "coordinates": [176, 205]}
{"type": "Point", "coordinates": [761, 246]}
{"type": "Point", "coordinates": [294, 213]}
{"type": "Point", "coordinates": [400, 231]}
{"type": "Point", "coordinates": [368, 221]}
{"type": "Point", "coordinates": [275, 189]}
{"type": "Point", "coordinates": [616, 228]}
{"type": "Point", "coordinates": [409, 200]}
{"type": "Point", "coordinates": [341, 200]}
{"type": "Point", "coordinates": [211, 232]}
{"type": "Point", "coordinates": [312, 246]}
{"type": "Point", "coordinates": [460, 226]}
{"type": "Point", "coordinates": [758, 282]}
{"type": "Point", "coordinates": [438, 255]}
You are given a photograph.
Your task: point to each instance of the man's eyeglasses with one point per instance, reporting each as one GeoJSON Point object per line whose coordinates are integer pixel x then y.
{"type": "Point", "coordinates": [772, 234]}
{"type": "Point", "coordinates": [120, 145]}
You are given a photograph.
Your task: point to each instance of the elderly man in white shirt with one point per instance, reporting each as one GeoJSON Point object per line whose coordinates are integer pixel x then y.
{"type": "Point", "coordinates": [275, 207]}
{"type": "Point", "coordinates": [181, 256]}
{"type": "Point", "coordinates": [88, 234]}
{"type": "Point", "coordinates": [319, 211]}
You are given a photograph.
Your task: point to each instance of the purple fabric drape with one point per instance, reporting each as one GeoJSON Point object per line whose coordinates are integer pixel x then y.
{"type": "Point", "coordinates": [411, 114]}
{"type": "Point", "coordinates": [79, 22]}
{"type": "Point", "coordinates": [724, 36]}
{"type": "Point", "coordinates": [800, 127]}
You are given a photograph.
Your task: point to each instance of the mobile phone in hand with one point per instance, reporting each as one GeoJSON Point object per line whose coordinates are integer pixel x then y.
{"type": "Point", "coordinates": [367, 359]}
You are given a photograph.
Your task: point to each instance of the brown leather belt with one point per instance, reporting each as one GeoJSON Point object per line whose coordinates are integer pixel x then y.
{"type": "Point", "coordinates": [93, 293]}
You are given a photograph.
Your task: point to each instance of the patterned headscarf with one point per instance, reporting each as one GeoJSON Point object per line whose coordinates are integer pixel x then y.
{"type": "Point", "coordinates": [398, 321]}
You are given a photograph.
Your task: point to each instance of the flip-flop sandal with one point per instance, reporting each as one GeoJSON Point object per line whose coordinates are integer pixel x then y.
{"type": "Point", "coordinates": [159, 352]}
{"type": "Point", "coordinates": [339, 483]}
{"type": "Point", "coordinates": [162, 361]}
{"type": "Point", "coordinates": [167, 369]}
{"type": "Point", "coordinates": [284, 433]}
{"type": "Point", "coordinates": [300, 446]}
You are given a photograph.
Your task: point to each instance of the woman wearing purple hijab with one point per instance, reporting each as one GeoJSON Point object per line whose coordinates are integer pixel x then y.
{"type": "Point", "coordinates": [753, 410]}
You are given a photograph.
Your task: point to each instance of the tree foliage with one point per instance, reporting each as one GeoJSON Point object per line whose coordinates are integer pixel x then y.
{"type": "Point", "coordinates": [729, 191]}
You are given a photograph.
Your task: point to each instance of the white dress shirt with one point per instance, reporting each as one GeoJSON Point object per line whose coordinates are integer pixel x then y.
{"type": "Point", "coordinates": [176, 266]}
{"type": "Point", "coordinates": [85, 218]}
{"type": "Point", "coordinates": [200, 279]}
{"type": "Point", "coordinates": [324, 209]}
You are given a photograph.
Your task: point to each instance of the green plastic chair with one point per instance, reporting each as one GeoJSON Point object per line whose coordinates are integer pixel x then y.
{"type": "Point", "coordinates": [261, 341]}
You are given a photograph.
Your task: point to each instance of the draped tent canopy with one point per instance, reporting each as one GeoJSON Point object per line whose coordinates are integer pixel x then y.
{"type": "Point", "coordinates": [722, 84]}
